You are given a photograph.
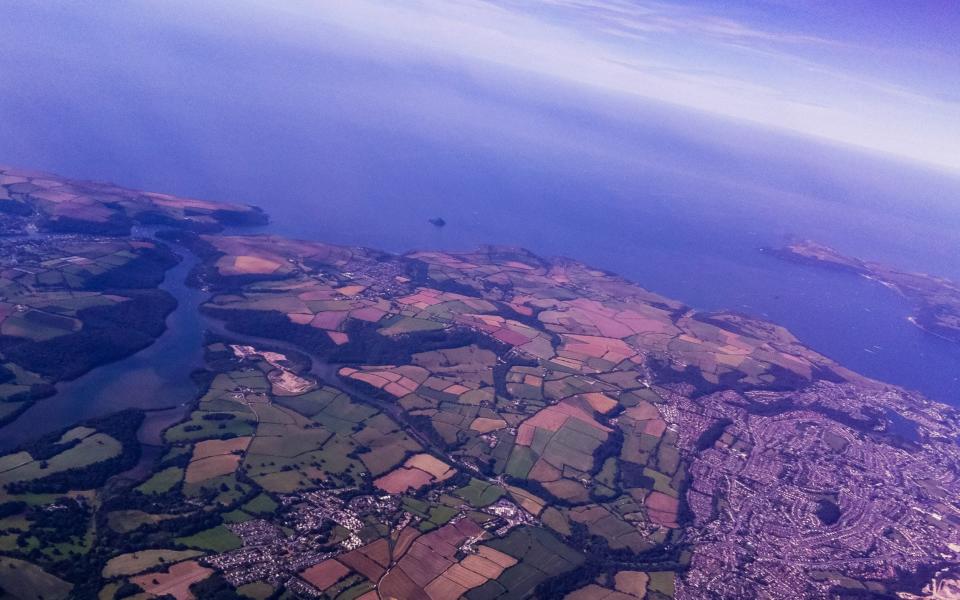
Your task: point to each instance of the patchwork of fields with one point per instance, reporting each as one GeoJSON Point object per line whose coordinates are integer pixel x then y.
{"type": "Point", "coordinates": [481, 425]}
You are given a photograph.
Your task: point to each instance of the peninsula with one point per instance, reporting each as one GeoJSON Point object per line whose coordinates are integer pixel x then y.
{"type": "Point", "coordinates": [936, 300]}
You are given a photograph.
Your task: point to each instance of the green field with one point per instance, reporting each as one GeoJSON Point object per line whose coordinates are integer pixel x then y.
{"type": "Point", "coordinates": [162, 481]}
{"type": "Point", "coordinates": [256, 590]}
{"type": "Point", "coordinates": [216, 539]}
{"type": "Point", "coordinates": [287, 440]}
{"type": "Point", "coordinates": [226, 488]}
{"type": "Point", "coordinates": [124, 521]}
{"type": "Point", "coordinates": [77, 433]}
{"type": "Point", "coordinates": [542, 556]}
{"type": "Point", "coordinates": [198, 428]}
{"type": "Point", "coordinates": [310, 403]}
{"type": "Point", "coordinates": [662, 581]}
{"type": "Point", "coordinates": [262, 504]}
{"type": "Point", "coordinates": [93, 449]}
{"type": "Point", "coordinates": [23, 580]}
{"type": "Point", "coordinates": [521, 461]}
{"type": "Point", "coordinates": [480, 493]}
{"type": "Point", "coordinates": [10, 408]}
{"type": "Point", "coordinates": [410, 325]}
{"type": "Point", "coordinates": [138, 562]}
{"type": "Point", "coordinates": [236, 516]}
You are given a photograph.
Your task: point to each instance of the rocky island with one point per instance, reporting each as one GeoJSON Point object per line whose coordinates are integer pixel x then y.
{"type": "Point", "coordinates": [439, 425]}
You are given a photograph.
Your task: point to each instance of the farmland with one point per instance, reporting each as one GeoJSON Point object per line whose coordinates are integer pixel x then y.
{"type": "Point", "coordinates": [216, 539]}
{"type": "Point", "coordinates": [138, 562]}
{"type": "Point", "coordinates": [560, 404]}
{"type": "Point", "coordinates": [441, 425]}
{"type": "Point", "coordinates": [175, 581]}
{"type": "Point", "coordinates": [21, 579]}
{"type": "Point", "coordinates": [92, 449]}
{"type": "Point", "coordinates": [64, 205]}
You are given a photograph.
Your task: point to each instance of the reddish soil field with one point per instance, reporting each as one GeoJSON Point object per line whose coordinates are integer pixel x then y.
{"type": "Point", "coordinates": [655, 427]}
{"type": "Point", "coordinates": [324, 294]}
{"type": "Point", "coordinates": [544, 471]}
{"type": "Point", "coordinates": [486, 425]}
{"type": "Point", "coordinates": [552, 418]}
{"type": "Point", "coordinates": [642, 411]}
{"type": "Point", "coordinates": [378, 551]}
{"type": "Point", "coordinates": [369, 313]}
{"type": "Point", "coordinates": [300, 318]}
{"type": "Point", "coordinates": [662, 509]}
{"type": "Point", "coordinates": [210, 467]}
{"type": "Point", "coordinates": [598, 347]}
{"type": "Point", "coordinates": [330, 319]}
{"type": "Point", "coordinates": [443, 588]}
{"type": "Point", "coordinates": [600, 402]}
{"type": "Point", "coordinates": [404, 541]}
{"type": "Point", "coordinates": [324, 574]}
{"type": "Point", "coordinates": [338, 337]}
{"type": "Point", "coordinates": [513, 338]}
{"type": "Point", "coordinates": [397, 584]}
{"type": "Point", "coordinates": [428, 463]}
{"type": "Point", "coordinates": [489, 562]}
{"type": "Point", "coordinates": [214, 447]}
{"type": "Point", "coordinates": [362, 564]}
{"type": "Point", "coordinates": [402, 479]}
{"type": "Point", "coordinates": [176, 581]}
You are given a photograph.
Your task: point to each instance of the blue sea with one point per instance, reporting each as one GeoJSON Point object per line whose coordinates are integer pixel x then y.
{"type": "Point", "coordinates": [341, 142]}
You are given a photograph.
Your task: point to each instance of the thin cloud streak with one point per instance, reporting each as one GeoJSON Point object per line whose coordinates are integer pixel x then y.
{"type": "Point", "coordinates": [649, 17]}
{"type": "Point", "coordinates": [673, 54]}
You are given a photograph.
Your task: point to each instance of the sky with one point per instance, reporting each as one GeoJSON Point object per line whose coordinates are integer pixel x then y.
{"type": "Point", "coordinates": [878, 74]}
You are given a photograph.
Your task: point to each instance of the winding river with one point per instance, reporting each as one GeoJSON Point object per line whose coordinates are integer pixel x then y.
{"type": "Point", "coordinates": [157, 377]}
